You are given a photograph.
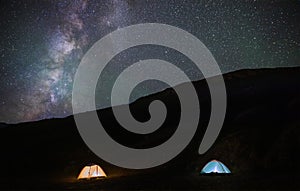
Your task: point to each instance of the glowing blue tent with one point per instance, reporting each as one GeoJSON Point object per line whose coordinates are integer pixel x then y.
{"type": "Point", "coordinates": [215, 166]}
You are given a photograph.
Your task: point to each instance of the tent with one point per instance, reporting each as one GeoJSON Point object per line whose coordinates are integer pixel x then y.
{"type": "Point", "coordinates": [92, 171]}
{"type": "Point", "coordinates": [215, 166]}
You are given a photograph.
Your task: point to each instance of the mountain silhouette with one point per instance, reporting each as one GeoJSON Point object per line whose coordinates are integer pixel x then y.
{"type": "Point", "coordinates": [259, 142]}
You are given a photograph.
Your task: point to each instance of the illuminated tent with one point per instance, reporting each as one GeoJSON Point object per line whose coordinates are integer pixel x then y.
{"type": "Point", "coordinates": [93, 171]}
{"type": "Point", "coordinates": [215, 166]}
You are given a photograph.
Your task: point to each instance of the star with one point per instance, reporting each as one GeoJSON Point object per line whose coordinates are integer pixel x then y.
{"type": "Point", "coordinates": [43, 42]}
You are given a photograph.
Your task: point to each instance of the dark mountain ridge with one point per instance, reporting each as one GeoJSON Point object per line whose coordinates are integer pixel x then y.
{"type": "Point", "coordinates": [261, 131]}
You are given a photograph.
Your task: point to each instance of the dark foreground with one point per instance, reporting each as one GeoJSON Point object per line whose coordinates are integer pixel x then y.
{"type": "Point", "coordinates": [259, 143]}
{"type": "Point", "coordinates": [247, 181]}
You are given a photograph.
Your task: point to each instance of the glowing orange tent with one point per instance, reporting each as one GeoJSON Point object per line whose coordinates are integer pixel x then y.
{"type": "Point", "coordinates": [93, 171]}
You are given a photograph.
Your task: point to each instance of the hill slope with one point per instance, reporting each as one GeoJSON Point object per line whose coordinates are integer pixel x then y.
{"type": "Point", "coordinates": [260, 142]}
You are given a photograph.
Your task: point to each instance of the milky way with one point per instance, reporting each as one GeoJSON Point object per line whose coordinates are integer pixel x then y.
{"type": "Point", "coordinates": [42, 43]}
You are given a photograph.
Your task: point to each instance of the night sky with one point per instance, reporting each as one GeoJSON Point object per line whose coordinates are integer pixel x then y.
{"type": "Point", "coordinates": [43, 41]}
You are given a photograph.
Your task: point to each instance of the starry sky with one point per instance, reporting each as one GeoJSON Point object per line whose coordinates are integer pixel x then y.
{"type": "Point", "coordinates": [43, 41]}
